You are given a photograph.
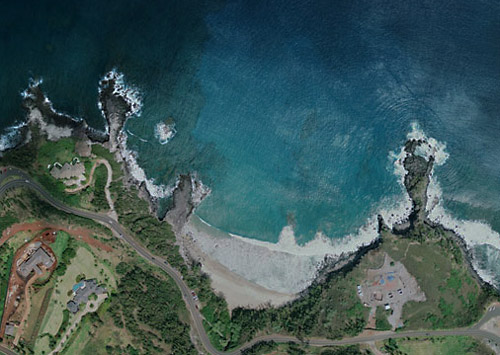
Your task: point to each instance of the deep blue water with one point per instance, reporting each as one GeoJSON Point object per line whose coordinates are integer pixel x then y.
{"type": "Point", "coordinates": [286, 109]}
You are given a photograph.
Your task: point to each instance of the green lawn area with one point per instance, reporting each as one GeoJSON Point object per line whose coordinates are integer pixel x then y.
{"type": "Point", "coordinates": [454, 298]}
{"type": "Point", "coordinates": [60, 244]}
{"type": "Point", "coordinates": [62, 151]}
{"type": "Point", "coordinates": [39, 300]}
{"type": "Point", "coordinates": [102, 152]}
{"type": "Point", "coordinates": [78, 340]}
{"type": "Point", "coordinates": [452, 345]}
{"type": "Point", "coordinates": [381, 322]}
{"type": "Point", "coordinates": [84, 262]}
{"type": "Point", "coordinates": [19, 239]}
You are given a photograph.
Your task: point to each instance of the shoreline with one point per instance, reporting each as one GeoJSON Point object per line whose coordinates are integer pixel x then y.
{"type": "Point", "coordinates": [285, 269]}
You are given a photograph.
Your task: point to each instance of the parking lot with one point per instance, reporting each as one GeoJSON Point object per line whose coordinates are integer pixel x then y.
{"type": "Point", "coordinates": [390, 286]}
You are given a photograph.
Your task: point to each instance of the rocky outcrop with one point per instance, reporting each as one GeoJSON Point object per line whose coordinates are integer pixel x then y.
{"type": "Point", "coordinates": [115, 109]}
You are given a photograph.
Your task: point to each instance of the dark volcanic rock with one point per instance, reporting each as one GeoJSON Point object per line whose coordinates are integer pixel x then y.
{"type": "Point", "coordinates": [115, 109]}
{"type": "Point", "coordinates": [183, 205]}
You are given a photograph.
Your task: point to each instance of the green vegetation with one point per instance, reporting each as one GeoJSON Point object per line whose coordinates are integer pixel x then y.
{"type": "Point", "coordinates": [454, 298]}
{"type": "Point", "coordinates": [99, 199]}
{"type": "Point", "coordinates": [156, 319]}
{"type": "Point", "coordinates": [381, 322]}
{"type": "Point", "coordinates": [61, 151]}
{"type": "Point", "coordinates": [40, 303]}
{"type": "Point", "coordinates": [61, 244]}
{"type": "Point", "coordinates": [25, 204]}
{"type": "Point", "coordinates": [78, 339]}
{"type": "Point", "coordinates": [451, 345]}
{"type": "Point", "coordinates": [76, 258]}
{"type": "Point", "coordinates": [6, 256]}
{"type": "Point", "coordinates": [23, 157]}
{"type": "Point", "coordinates": [7, 220]}
{"type": "Point", "coordinates": [67, 254]}
{"type": "Point", "coordinates": [270, 347]}
{"type": "Point", "coordinates": [102, 152]}
{"type": "Point", "coordinates": [157, 236]}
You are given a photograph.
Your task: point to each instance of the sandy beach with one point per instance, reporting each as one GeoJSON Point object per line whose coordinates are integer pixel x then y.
{"type": "Point", "coordinates": [237, 291]}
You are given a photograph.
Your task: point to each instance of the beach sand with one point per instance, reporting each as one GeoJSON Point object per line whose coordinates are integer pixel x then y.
{"type": "Point", "coordinates": [237, 291]}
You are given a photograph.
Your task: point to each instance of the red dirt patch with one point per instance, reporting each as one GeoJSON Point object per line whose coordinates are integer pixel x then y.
{"type": "Point", "coordinates": [79, 233]}
{"type": "Point", "coordinates": [17, 284]}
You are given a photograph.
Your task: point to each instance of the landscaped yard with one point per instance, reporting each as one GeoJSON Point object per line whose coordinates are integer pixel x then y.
{"type": "Point", "coordinates": [83, 263]}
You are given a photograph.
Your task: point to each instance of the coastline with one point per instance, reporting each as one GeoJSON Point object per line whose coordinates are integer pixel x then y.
{"type": "Point", "coordinates": [295, 267]}
{"type": "Point", "coordinates": [250, 272]}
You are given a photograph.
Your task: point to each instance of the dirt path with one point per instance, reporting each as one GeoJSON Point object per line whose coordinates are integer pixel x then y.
{"type": "Point", "coordinates": [27, 299]}
{"type": "Point", "coordinates": [99, 162]}
{"type": "Point", "coordinates": [74, 325]}
{"type": "Point", "coordinates": [82, 234]}
{"type": "Point", "coordinates": [89, 180]}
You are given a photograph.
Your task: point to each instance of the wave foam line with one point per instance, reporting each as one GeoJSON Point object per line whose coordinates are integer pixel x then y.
{"type": "Point", "coordinates": [130, 94]}
{"type": "Point", "coordinates": [473, 232]}
{"type": "Point", "coordinates": [11, 137]}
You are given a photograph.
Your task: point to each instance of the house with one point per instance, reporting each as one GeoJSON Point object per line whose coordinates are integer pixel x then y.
{"type": "Point", "coordinates": [81, 293]}
{"type": "Point", "coordinates": [39, 257]}
{"type": "Point", "coordinates": [10, 329]}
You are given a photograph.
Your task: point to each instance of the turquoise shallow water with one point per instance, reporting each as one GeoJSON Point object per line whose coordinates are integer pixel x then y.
{"type": "Point", "coordinates": [287, 110]}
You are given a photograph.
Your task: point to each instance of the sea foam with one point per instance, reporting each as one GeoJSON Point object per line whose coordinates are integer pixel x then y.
{"type": "Point", "coordinates": [133, 98]}
{"type": "Point", "coordinates": [130, 94]}
{"type": "Point", "coordinates": [11, 137]}
{"type": "Point", "coordinates": [164, 132]}
{"type": "Point", "coordinates": [297, 265]}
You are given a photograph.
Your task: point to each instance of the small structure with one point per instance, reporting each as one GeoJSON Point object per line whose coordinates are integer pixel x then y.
{"type": "Point", "coordinates": [32, 263]}
{"type": "Point", "coordinates": [10, 329]}
{"type": "Point", "coordinates": [73, 307]}
{"type": "Point", "coordinates": [82, 292]}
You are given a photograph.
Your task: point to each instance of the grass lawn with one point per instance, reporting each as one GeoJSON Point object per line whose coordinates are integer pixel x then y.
{"type": "Point", "coordinates": [102, 152]}
{"type": "Point", "coordinates": [381, 321]}
{"type": "Point", "coordinates": [83, 262]}
{"type": "Point", "coordinates": [452, 294]}
{"type": "Point", "coordinates": [62, 151]}
{"type": "Point", "coordinates": [20, 238]}
{"type": "Point", "coordinates": [39, 301]}
{"type": "Point", "coordinates": [95, 342]}
{"type": "Point", "coordinates": [439, 345]}
{"type": "Point", "coordinates": [42, 346]}
{"type": "Point", "coordinates": [79, 338]}
{"type": "Point", "coordinates": [60, 244]}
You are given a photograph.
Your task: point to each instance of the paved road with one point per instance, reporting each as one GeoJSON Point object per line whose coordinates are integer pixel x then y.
{"type": "Point", "coordinates": [23, 180]}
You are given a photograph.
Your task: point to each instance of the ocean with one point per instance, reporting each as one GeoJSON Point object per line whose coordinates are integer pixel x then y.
{"type": "Point", "coordinates": [287, 110]}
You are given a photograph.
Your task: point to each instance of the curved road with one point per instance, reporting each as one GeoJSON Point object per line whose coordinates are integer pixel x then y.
{"type": "Point", "coordinates": [23, 180]}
